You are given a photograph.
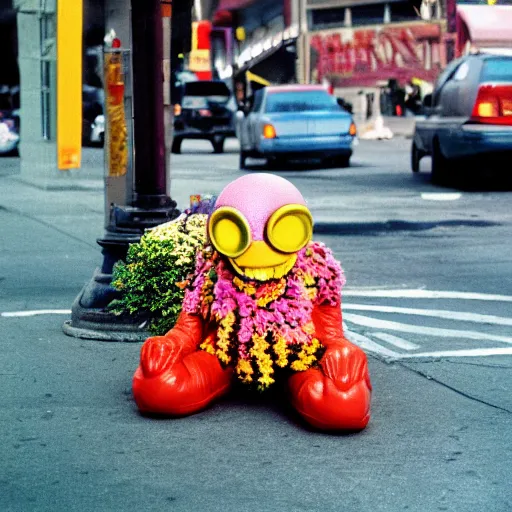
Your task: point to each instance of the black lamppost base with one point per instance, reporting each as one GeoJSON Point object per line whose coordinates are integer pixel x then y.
{"type": "Point", "coordinates": [90, 315]}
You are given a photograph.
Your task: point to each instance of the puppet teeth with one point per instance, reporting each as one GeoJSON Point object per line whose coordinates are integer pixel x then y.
{"type": "Point", "coordinates": [266, 273]}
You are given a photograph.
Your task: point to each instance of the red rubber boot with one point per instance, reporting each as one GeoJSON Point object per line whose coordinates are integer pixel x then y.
{"type": "Point", "coordinates": [336, 395]}
{"type": "Point", "coordinates": [175, 377]}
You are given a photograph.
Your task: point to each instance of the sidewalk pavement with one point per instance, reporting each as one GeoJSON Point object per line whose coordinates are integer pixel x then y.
{"type": "Point", "coordinates": [399, 126]}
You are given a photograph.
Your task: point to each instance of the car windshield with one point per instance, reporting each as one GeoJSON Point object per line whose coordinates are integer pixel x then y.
{"type": "Point", "coordinates": [497, 70]}
{"type": "Point", "coordinates": [300, 101]}
{"type": "Point", "coordinates": [202, 94]}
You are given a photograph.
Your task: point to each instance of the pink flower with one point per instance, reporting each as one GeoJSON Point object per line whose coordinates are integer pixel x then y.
{"type": "Point", "coordinates": [222, 308]}
{"type": "Point", "coordinates": [246, 304]}
{"type": "Point", "coordinates": [223, 289]}
{"type": "Point", "coordinates": [246, 330]}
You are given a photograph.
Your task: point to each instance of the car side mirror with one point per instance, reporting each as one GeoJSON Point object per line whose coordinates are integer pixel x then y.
{"type": "Point", "coordinates": [345, 105]}
{"type": "Point", "coordinates": [427, 104]}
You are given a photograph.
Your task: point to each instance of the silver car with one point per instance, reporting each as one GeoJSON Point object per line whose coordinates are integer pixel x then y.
{"type": "Point", "coordinates": [469, 115]}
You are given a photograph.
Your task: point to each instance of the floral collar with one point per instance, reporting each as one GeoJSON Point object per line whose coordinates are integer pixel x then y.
{"type": "Point", "coordinates": [261, 325]}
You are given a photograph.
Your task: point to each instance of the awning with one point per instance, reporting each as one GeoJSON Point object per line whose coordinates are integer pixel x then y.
{"type": "Point", "coordinates": [484, 26]}
{"type": "Point", "coordinates": [270, 68]}
{"type": "Point", "coordinates": [252, 77]}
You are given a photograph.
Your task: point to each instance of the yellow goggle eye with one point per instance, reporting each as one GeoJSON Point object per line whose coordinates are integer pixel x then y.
{"type": "Point", "coordinates": [290, 228]}
{"type": "Point", "coordinates": [229, 231]}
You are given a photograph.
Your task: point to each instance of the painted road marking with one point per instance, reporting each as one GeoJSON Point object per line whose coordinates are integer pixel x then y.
{"type": "Point", "coordinates": [437, 313]}
{"type": "Point", "coordinates": [443, 196]}
{"type": "Point", "coordinates": [405, 349]}
{"type": "Point", "coordinates": [475, 352]}
{"type": "Point", "coordinates": [36, 312]}
{"type": "Point", "coordinates": [395, 340]}
{"type": "Point", "coordinates": [422, 294]}
{"type": "Point", "coordinates": [420, 329]}
{"type": "Point", "coordinates": [367, 344]}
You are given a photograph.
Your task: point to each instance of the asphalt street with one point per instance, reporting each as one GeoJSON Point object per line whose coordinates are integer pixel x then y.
{"type": "Point", "coordinates": [428, 296]}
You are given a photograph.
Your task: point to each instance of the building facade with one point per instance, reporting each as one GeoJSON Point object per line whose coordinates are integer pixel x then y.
{"type": "Point", "coordinates": [359, 48]}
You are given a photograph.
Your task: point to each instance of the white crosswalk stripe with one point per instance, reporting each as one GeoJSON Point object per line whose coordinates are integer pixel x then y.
{"type": "Point", "coordinates": [432, 336]}
{"type": "Point", "coordinates": [395, 340]}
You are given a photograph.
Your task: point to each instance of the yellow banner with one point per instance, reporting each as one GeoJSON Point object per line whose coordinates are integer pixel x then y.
{"type": "Point", "coordinates": [199, 60]}
{"type": "Point", "coordinates": [69, 83]}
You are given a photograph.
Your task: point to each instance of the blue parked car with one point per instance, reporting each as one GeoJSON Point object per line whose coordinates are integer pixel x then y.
{"type": "Point", "coordinates": [296, 121]}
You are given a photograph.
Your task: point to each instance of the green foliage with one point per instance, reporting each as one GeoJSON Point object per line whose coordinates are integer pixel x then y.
{"type": "Point", "coordinates": [152, 279]}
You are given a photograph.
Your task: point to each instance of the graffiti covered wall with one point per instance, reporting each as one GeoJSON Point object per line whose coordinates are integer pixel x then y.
{"type": "Point", "coordinates": [369, 56]}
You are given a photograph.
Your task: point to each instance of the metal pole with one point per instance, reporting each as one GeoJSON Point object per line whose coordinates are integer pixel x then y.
{"type": "Point", "coordinates": [90, 316]}
{"type": "Point", "coordinates": [150, 181]}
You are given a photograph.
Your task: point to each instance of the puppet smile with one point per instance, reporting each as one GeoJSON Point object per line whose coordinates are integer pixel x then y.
{"type": "Point", "coordinates": [249, 264]}
{"type": "Point", "coordinates": [265, 273]}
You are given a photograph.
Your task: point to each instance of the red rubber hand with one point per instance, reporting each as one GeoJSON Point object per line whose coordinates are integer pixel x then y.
{"type": "Point", "coordinates": [175, 377]}
{"type": "Point", "coordinates": [337, 394]}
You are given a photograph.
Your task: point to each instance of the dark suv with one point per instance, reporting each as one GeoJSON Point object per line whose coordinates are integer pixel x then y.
{"type": "Point", "coordinates": [205, 110]}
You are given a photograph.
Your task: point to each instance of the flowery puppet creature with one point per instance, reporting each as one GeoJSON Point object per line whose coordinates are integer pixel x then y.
{"type": "Point", "coordinates": [264, 300]}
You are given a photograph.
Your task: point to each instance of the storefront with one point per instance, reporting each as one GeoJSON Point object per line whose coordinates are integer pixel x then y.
{"type": "Point", "coordinates": [264, 44]}
{"type": "Point", "coordinates": [484, 27]}
{"type": "Point", "coordinates": [365, 57]}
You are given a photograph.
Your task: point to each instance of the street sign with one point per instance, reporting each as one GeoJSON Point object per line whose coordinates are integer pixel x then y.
{"type": "Point", "coordinates": [199, 60]}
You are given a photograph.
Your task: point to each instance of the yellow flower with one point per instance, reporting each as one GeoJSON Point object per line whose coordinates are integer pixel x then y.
{"type": "Point", "coordinates": [281, 350]}
{"type": "Point", "coordinates": [244, 370]}
{"type": "Point", "coordinates": [309, 280]}
{"type": "Point", "coordinates": [306, 356]}
{"type": "Point", "coordinates": [223, 337]}
{"type": "Point", "coordinates": [262, 359]}
{"type": "Point", "coordinates": [249, 289]}
{"type": "Point", "coordinates": [299, 366]}
{"type": "Point", "coordinates": [208, 347]}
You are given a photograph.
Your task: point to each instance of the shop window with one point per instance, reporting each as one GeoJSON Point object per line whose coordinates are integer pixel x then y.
{"type": "Point", "coordinates": [405, 11]}
{"type": "Point", "coordinates": [48, 37]}
{"type": "Point", "coordinates": [324, 18]}
{"type": "Point", "coordinates": [372, 14]}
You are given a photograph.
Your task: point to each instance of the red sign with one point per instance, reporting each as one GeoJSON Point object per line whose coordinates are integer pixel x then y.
{"type": "Point", "coordinates": [364, 57]}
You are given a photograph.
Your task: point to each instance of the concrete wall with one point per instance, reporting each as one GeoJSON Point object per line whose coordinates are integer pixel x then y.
{"type": "Point", "coordinates": [38, 157]}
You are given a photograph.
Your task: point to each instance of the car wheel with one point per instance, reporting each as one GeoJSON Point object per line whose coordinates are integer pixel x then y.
{"type": "Point", "coordinates": [176, 145]}
{"type": "Point", "coordinates": [218, 145]}
{"type": "Point", "coordinates": [341, 161]}
{"type": "Point", "coordinates": [415, 158]}
{"type": "Point", "coordinates": [275, 162]}
{"type": "Point", "coordinates": [243, 158]}
{"type": "Point", "coordinates": [439, 164]}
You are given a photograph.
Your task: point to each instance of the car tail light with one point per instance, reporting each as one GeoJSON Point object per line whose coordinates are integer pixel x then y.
{"type": "Point", "coordinates": [269, 132]}
{"type": "Point", "coordinates": [177, 109]}
{"type": "Point", "coordinates": [493, 105]}
{"type": "Point", "coordinates": [352, 130]}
